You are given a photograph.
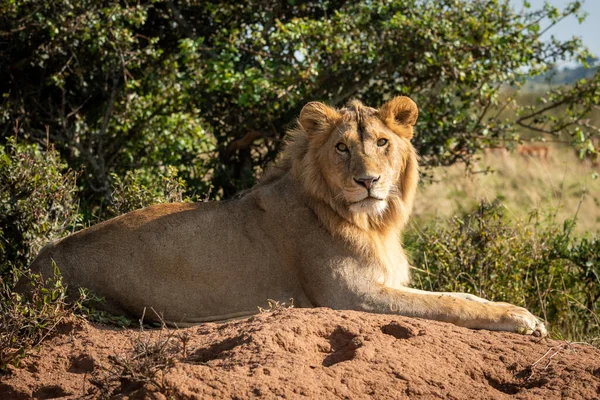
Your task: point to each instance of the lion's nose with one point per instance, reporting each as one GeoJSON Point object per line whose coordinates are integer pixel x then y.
{"type": "Point", "coordinates": [367, 181]}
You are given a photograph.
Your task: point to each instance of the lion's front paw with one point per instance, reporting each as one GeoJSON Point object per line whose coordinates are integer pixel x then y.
{"type": "Point", "coordinates": [518, 319]}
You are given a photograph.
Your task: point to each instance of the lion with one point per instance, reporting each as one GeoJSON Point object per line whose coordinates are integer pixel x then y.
{"type": "Point", "coordinates": [322, 228]}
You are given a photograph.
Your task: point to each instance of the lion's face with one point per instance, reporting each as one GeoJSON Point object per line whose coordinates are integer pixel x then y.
{"type": "Point", "coordinates": [360, 151]}
{"type": "Point", "coordinates": [361, 164]}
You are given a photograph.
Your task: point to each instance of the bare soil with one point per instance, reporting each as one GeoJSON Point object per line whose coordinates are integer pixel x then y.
{"type": "Point", "coordinates": [311, 353]}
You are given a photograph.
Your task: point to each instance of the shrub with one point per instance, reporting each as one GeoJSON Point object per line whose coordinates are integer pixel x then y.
{"type": "Point", "coordinates": [529, 263]}
{"type": "Point", "coordinates": [37, 202]}
{"type": "Point", "coordinates": [134, 191]}
{"type": "Point", "coordinates": [582, 256]}
{"type": "Point", "coordinates": [26, 321]}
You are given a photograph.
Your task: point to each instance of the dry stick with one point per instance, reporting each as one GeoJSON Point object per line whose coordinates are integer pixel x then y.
{"type": "Point", "coordinates": [146, 350]}
{"type": "Point", "coordinates": [532, 140]}
{"type": "Point", "coordinates": [163, 346]}
{"type": "Point", "coordinates": [16, 129]}
{"type": "Point", "coordinates": [583, 192]}
{"type": "Point", "coordinates": [542, 296]}
{"type": "Point", "coordinates": [555, 349]}
{"type": "Point", "coordinates": [47, 138]}
{"type": "Point", "coordinates": [142, 319]}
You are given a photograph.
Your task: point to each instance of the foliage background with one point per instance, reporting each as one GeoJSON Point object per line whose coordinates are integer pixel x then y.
{"type": "Point", "coordinates": [210, 87]}
{"type": "Point", "coordinates": [111, 105]}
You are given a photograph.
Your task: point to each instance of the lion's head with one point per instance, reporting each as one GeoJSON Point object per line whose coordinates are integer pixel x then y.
{"type": "Point", "coordinates": [358, 159]}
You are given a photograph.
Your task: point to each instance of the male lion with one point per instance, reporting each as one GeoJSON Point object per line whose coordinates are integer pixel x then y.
{"type": "Point", "coordinates": [322, 228]}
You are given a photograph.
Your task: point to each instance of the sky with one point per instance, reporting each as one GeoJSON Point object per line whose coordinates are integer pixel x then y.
{"type": "Point", "coordinates": [588, 31]}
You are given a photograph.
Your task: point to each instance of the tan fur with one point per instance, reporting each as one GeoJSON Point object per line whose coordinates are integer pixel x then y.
{"type": "Point", "coordinates": [496, 151]}
{"type": "Point", "coordinates": [322, 227]}
{"type": "Point", "coordinates": [532, 150]}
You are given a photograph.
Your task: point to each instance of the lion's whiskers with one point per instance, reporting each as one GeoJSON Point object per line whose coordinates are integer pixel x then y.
{"type": "Point", "coordinates": [339, 196]}
{"type": "Point", "coordinates": [394, 191]}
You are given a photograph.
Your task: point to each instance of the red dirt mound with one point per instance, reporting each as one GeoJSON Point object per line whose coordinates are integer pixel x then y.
{"type": "Point", "coordinates": [311, 353]}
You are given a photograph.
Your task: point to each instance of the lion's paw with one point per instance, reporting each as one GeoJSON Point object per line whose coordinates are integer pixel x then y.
{"type": "Point", "coordinates": [521, 321]}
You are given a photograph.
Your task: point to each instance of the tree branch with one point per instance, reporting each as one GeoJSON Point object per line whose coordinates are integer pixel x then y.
{"type": "Point", "coordinates": [242, 143]}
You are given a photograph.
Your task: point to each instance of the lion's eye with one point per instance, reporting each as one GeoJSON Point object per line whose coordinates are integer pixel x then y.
{"type": "Point", "coordinates": [382, 142]}
{"type": "Point", "coordinates": [341, 147]}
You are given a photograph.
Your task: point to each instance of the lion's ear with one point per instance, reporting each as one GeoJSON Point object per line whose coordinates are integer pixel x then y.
{"type": "Point", "coordinates": [317, 117]}
{"type": "Point", "coordinates": [400, 115]}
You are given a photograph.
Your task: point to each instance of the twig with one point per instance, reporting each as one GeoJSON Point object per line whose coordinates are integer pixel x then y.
{"type": "Point", "coordinates": [583, 192]}
{"type": "Point", "coordinates": [243, 143]}
{"type": "Point", "coordinates": [555, 350]}
{"type": "Point", "coordinates": [16, 129]}
{"type": "Point", "coordinates": [142, 319]}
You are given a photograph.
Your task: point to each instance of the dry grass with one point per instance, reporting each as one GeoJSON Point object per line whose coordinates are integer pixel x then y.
{"type": "Point", "coordinates": [524, 185]}
{"type": "Point", "coordinates": [143, 368]}
{"type": "Point", "coordinates": [275, 305]}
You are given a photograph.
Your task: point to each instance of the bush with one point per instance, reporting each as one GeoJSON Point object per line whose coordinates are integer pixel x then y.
{"type": "Point", "coordinates": [134, 191]}
{"type": "Point", "coordinates": [37, 202]}
{"type": "Point", "coordinates": [26, 321]}
{"type": "Point", "coordinates": [529, 263]}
